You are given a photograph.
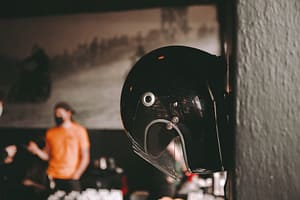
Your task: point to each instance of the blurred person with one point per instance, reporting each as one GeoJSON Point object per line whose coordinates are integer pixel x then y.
{"type": "Point", "coordinates": [35, 180]}
{"type": "Point", "coordinates": [8, 153]}
{"type": "Point", "coordinates": [67, 150]}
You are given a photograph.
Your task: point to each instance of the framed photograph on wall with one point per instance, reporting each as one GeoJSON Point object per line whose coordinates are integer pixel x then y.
{"type": "Point", "coordinates": [84, 59]}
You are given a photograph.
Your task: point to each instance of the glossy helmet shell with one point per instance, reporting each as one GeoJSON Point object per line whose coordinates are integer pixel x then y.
{"type": "Point", "coordinates": [184, 87]}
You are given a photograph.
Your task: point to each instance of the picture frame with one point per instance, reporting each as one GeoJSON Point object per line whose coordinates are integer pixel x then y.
{"type": "Point", "coordinates": [83, 58]}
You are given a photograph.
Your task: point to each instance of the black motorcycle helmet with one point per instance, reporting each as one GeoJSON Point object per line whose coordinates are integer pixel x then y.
{"type": "Point", "coordinates": [173, 108]}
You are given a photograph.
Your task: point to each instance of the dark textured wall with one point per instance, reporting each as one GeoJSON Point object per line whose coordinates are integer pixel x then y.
{"type": "Point", "coordinates": [268, 100]}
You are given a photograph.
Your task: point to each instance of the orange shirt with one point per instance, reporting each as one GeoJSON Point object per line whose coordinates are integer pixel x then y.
{"type": "Point", "coordinates": [64, 146]}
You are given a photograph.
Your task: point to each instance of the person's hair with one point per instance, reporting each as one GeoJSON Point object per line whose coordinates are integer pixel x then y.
{"type": "Point", "coordinates": [64, 105]}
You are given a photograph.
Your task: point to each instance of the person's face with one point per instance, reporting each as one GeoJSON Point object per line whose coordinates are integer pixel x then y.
{"type": "Point", "coordinates": [62, 113]}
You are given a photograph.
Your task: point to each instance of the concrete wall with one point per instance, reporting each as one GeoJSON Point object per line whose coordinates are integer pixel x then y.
{"type": "Point", "coordinates": [268, 100]}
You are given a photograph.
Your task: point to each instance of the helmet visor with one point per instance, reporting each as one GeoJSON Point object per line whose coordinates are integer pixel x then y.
{"type": "Point", "coordinates": [163, 148]}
